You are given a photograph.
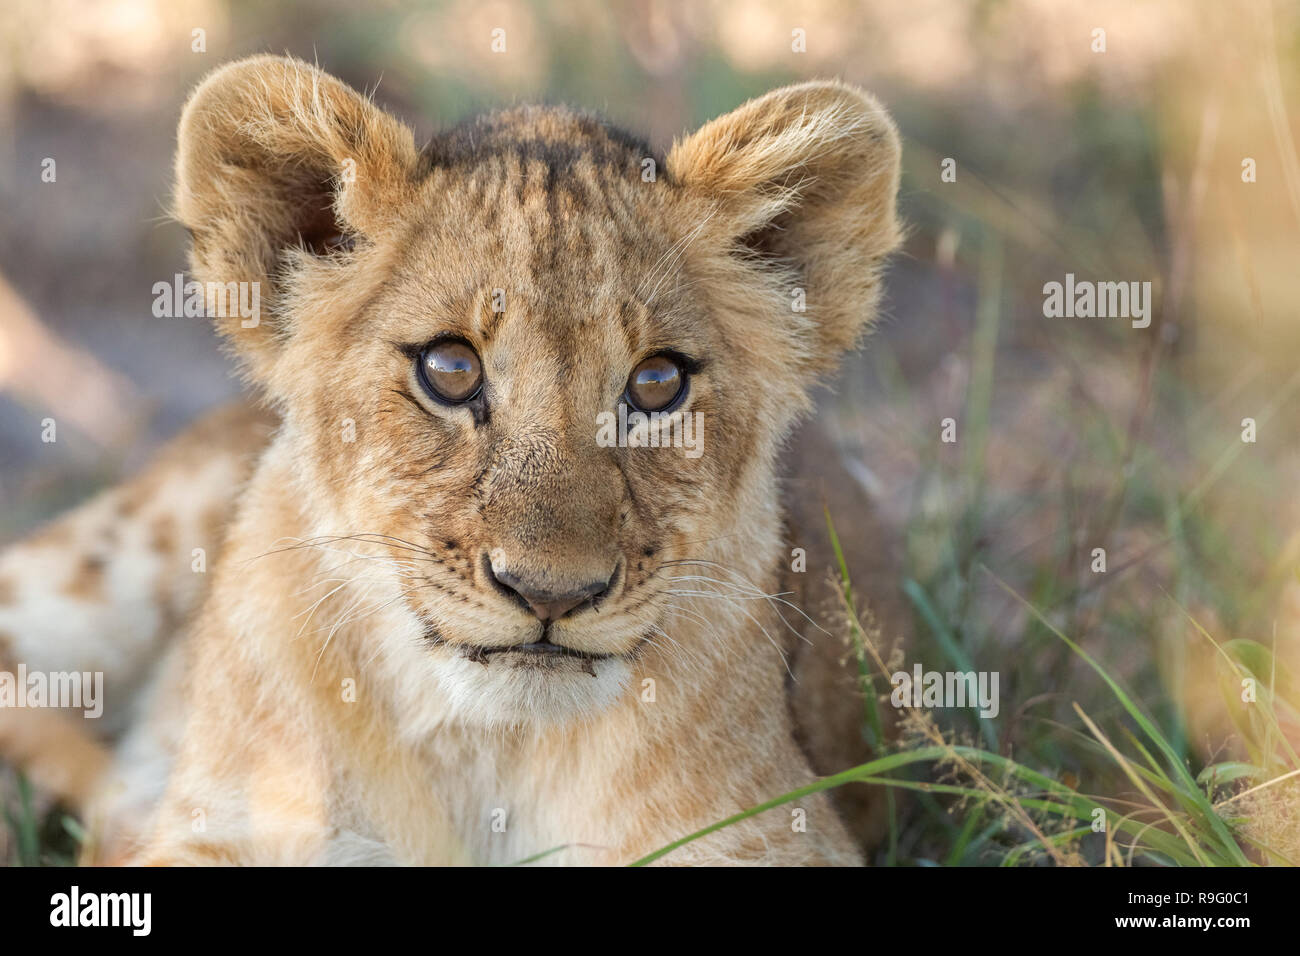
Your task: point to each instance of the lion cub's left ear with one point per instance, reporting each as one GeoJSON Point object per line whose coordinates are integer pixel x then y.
{"type": "Point", "coordinates": [803, 183]}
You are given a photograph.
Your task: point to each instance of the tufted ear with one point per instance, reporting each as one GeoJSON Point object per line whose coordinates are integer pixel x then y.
{"type": "Point", "coordinates": [274, 154]}
{"type": "Point", "coordinates": [803, 180]}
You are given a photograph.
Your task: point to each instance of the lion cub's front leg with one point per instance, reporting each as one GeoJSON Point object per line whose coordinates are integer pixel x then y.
{"type": "Point", "coordinates": [804, 832]}
{"type": "Point", "coordinates": [647, 776]}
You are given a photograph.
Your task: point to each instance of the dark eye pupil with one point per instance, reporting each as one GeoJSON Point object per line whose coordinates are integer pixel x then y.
{"type": "Point", "coordinates": [655, 383]}
{"type": "Point", "coordinates": [453, 371]}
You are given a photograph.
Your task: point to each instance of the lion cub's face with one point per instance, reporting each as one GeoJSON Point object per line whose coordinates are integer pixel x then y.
{"type": "Point", "coordinates": [532, 296]}
{"type": "Point", "coordinates": [542, 369]}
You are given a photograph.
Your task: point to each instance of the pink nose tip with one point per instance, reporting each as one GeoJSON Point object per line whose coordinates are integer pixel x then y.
{"type": "Point", "coordinates": [549, 605]}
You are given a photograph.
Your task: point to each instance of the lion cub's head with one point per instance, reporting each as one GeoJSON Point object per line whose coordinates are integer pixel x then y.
{"type": "Point", "coordinates": [533, 363]}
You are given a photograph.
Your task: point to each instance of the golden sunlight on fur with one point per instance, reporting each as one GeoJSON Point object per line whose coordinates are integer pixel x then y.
{"type": "Point", "coordinates": [467, 632]}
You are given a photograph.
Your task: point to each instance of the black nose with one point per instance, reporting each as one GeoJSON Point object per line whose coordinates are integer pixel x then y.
{"type": "Point", "coordinates": [549, 605]}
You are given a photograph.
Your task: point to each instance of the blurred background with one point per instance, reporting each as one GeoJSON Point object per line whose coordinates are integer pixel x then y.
{"type": "Point", "coordinates": [1109, 139]}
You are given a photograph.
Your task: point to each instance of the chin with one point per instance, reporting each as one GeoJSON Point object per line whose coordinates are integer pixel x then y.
{"type": "Point", "coordinates": [517, 690]}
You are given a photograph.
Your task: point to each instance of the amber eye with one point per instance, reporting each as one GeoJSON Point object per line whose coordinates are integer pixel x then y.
{"type": "Point", "coordinates": [656, 383]}
{"type": "Point", "coordinates": [451, 371]}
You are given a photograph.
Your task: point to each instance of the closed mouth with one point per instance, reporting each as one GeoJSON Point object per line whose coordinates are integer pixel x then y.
{"type": "Point", "coordinates": [541, 648]}
{"type": "Point", "coordinates": [537, 654]}
{"type": "Point", "coordinates": [534, 652]}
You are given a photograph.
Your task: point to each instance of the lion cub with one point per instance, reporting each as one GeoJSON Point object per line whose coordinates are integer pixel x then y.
{"type": "Point", "coordinates": [496, 564]}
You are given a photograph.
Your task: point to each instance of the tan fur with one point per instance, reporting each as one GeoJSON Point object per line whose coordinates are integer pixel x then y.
{"type": "Point", "coordinates": [337, 706]}
{"type": "Point", "coordinates": [94, 591]}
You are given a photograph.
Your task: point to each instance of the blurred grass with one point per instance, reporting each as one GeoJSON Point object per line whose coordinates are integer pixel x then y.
{"type": "Point", "coordinates": [1172, 818]}
{"type": "Point", "coordinates": [37, 836]}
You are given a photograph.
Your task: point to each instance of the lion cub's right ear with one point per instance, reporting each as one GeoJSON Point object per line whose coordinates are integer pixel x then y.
{"type": "Point", "coordinates": [272, 153]}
